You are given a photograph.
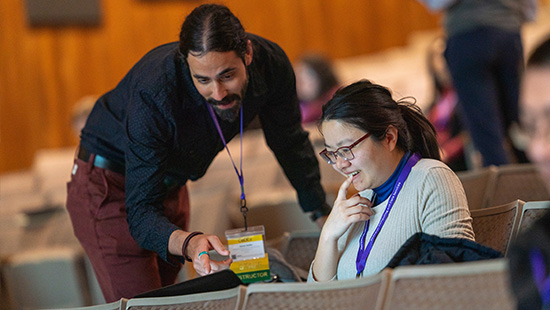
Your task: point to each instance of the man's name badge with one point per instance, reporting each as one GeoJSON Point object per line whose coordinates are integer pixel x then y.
{"type": "Point", "coordinates": [250, 261]}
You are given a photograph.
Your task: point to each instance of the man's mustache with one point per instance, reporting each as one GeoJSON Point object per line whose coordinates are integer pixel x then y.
{"type": "Point", "coordinates": [226, 100]}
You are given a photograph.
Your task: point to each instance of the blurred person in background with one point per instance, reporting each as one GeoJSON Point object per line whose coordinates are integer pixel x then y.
{"type": "Point", "coordinates": [535, 108]}
{"type": "Point", "coordinates": [484, 53]}
{"type": "Point", "coordinates": [316, 82]}
{"type": "Point", "coordinates": [530, 252]}
{"type": "Point", "coordinates": [443, 112]}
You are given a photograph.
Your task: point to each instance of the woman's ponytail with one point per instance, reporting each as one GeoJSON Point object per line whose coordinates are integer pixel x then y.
{"type": "Point", "coordinates": [421, 133]}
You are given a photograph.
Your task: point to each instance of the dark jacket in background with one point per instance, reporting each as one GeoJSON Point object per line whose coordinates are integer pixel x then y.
{"type": "Point", "coordinates": [423, 249]}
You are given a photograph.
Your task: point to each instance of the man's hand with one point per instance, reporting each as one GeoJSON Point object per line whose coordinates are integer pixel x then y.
{"type": "Point", "coordinates": [204, 265]}
{"type": "Point", "coordinates": [198, 244]}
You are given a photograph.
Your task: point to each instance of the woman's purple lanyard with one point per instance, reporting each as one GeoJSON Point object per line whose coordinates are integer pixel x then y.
{"type": "Point", "coordinates": [239, 172]}
{"type": "Point", "coordinates": [541, 277]}
{"type": "Point", "coordinates": [364, 252]}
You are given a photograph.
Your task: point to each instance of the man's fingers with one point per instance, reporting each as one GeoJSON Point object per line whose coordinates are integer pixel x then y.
{"type": "Point", "coordinates": [218, 246]}
{"type": "Point", "coordinates": [205, 262]}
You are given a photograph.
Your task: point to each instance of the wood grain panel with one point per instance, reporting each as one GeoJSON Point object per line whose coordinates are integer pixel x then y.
{"type": "Point", "coordinates": [44, 71]}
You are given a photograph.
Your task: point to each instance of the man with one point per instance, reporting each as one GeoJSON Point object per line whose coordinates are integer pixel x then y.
{"type": "Point", "coordinates": [530, 253]}
{"type": "Point", "coordinates": [144, 139]}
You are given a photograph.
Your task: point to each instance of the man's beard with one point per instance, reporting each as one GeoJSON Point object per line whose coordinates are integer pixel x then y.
{"type": "Point", "coordinates": [230, 114]}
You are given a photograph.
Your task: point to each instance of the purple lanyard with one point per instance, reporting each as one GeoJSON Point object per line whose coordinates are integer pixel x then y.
{"type": "Point", "coordinates": [542, 280]}
{"type": "Point", "coordinates": [239, 172]}
{"type": "Point", "coordinates": [364, 252]}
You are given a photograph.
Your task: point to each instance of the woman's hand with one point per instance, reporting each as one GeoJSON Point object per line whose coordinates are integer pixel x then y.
{"type": "Point", "coordinates": [345, 212]}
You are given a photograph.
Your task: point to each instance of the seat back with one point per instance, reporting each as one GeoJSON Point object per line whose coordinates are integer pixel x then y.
{"type": "Point", "coordinates": [516, 181]}
{"type": "Point", "coordinates": [364, 293]}
{"type": "Point", "coordinates": [476, 183]}
{"type": "Point", "coordinates": [299, 247]}
{"type": "Point", "coordinates": [217, 300]}
{"type": "Point", "coordinates": [495, 227]}
{"type": "Point", "coordinates": [46, 279]}
{"type": "Point", "coordinates": [115, 305]}
{"type": "Point", "coordinates": [468, 285]}
{"type": "Point", "coordinates": [531, 212]}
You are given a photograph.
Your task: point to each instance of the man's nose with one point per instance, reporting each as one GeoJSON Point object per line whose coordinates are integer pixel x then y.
{"type": "Point", "coordinates": [218, 92]}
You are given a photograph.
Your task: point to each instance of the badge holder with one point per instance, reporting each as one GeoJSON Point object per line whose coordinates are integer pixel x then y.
{"type": "Point", "coordinates": [250, 260]}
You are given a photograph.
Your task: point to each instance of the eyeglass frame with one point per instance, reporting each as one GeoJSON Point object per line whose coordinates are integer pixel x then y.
{"type": "Point", "coordinates": [336, 152]}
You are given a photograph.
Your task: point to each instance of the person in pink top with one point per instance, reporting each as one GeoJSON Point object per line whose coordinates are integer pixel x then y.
{"type": "Point", "coordinates": [316, 82]}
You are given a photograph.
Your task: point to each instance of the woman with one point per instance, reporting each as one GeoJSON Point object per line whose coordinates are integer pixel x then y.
{"type": "Point", "coordinates": [316, 82]}
{"type": "Point", "coordinates": [389, 152]}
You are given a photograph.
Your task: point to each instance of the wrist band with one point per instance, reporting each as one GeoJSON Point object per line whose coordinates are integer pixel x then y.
{"type": "Point", "coordinates": [186, 242]}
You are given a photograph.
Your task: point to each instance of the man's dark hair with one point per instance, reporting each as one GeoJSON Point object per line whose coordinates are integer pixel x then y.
{"type": "Point", "coordinates": [212, 27]}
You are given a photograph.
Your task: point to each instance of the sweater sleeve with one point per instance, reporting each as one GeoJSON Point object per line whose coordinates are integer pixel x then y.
{"type": "Point", "coordinates": [311, 278]}
{"type": "Point", "coordinates": [445, 208]}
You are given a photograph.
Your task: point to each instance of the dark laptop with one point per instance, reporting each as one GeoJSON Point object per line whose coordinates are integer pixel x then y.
{"type": "Point", "coordinates": [221, 280]}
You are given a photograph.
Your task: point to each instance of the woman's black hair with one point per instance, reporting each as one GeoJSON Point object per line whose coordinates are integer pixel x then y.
{"type": "Point", "coordinates": [371, 108]}
{"type": "Point", "coordinates": [212, 27]}
{"type": "Point", "coordinates": [541, 55]}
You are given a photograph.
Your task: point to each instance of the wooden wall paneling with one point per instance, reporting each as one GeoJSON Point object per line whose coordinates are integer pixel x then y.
{"type": "Point", "coordinates": [389, 19]}
{"type": "Point", "coordinates": [8, 79]}
{"type": "Point", "coordinates": [349, 27]}
{"type": "Point", "coordinates": [21, 85]}
{"type": "Point", "coordinates": [123, 37]}
{"type": "Point", "coordinates": [313, 26]}
{"type": "Point", "coordinates": [75, 75]}
{"type": "Point", "coordinates": [267, 19]}
{"type": "Point", "coordinates": [289, 24]}
{"type": "Point", "coordinates": [416, 17]}
{"type": "Point", "coordinates": [44, 50]}
{"type": "Point", "coordinates": [45, 70]}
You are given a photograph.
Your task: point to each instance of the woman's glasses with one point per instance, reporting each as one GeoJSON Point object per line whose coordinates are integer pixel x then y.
{"type": "Point", "coordinates": [343, 152]}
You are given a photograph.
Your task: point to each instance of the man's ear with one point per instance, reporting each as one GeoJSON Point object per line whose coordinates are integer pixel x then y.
{"type": "Point", "coordinates": [249, 53]}
{"type": "Point", "coordinates": [392, 134]}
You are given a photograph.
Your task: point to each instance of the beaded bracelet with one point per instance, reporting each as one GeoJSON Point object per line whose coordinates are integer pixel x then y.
{"type": "Point", "coordinates": [186, 242]}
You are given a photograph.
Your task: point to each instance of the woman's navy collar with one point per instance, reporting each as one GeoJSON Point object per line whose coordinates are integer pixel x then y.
{"type": "Point", "coordinates": [382, 192]}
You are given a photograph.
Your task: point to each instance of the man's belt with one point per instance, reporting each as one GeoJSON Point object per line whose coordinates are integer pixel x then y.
{"type": "Point", "coordinates": [100, 161]}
